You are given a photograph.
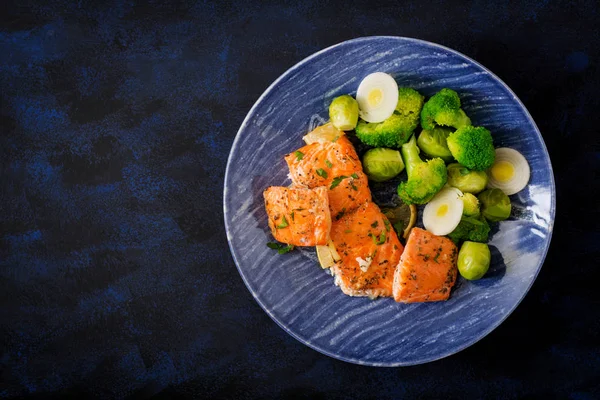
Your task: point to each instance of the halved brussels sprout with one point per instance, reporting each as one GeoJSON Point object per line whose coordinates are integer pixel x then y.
{"type": "Point", "coordinates": [495, 205]}
{"type": "Point", "coordinates": [466, 180]}
{"type": "Point", "coordinates": [382, 164]}
{"type": "Point", "coordinates": [432, 143]}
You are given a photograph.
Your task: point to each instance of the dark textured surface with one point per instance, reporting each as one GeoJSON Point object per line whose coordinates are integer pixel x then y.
{"type": "Point", "coordinates": [116, 121]}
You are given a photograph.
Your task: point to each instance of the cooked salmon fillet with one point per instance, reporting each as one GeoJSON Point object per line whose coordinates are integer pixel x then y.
{"type": "Point", "coordinates": [335, 165]}
{"type": "Point", "coordinates": [369, 251]}
{"type": "Point", "coordinates": [298, 216]}
{"type": "Point", "coordinates": [427, 269]}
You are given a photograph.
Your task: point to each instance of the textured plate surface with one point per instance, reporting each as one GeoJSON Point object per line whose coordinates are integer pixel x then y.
{"type": "Point", "coordinates": [300, 296]}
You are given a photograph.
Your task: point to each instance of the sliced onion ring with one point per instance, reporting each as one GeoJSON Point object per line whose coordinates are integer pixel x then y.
{"type": "Point", "coordinates": [521, 171]}
{"type": "Point", "coordinates": [443, 224]}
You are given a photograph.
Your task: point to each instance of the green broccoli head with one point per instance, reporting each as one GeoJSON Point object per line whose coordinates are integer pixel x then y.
{"type": "Point", "coordinates": [409, 104]}
{"type": "Point", "coordinates": [473, 147]}
{"type": "Point", "coordinates": [390, 133]}
{"type": "Point", "coordinates": [473, 229]}
{"type": "Point", "coordinates": [425, 178]}
{"type": "Point", "coordinates": [443, 108]}
{"type": "Point", "coordinates": [395, 130]}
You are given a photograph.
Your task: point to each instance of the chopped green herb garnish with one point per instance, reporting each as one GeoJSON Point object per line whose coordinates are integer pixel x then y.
{"type": "Point", "coordinates": [292, 215]}
{"type": "Point", "coordinates": [322, 173]}
{"type": "Point", "coordinates": [374, 224]}
{"type": "Point", "coordinates": [299, 155]}
{"type": "Point", "coordinates": [354, 187]}
{"type": "Point", "coordinates": [286, 249]}
{"type": "Point", "coordinates": [336, 181]}
{"type": "Point", "coordinates": [387, 224]}
{"type": "Point", "coordinates": [373, 237]}
{"type": "Point", "coordinates": [381, 238]}
{"type": "Point", "coordinates": [354, 175]}
{"type": "Point", "coordinates": [328, 163]}
{"type": "Point", "coordinates": [348, 231]}
{"type": "Point", "coordinates": [281, 248]}
{"type": "Point", "coordinates": [284, 223]}
{"type": "Point", "coordinates": [436, 258]}
{"type": "Point", "coordinates": [399, 226]}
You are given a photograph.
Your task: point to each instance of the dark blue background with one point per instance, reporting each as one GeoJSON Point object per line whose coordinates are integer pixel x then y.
{"type": "Point", "coordinates": [116, 122]}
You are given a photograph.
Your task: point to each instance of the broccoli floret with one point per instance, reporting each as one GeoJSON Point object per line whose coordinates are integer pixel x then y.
{"type": "Point", "coordinates": [390, 133]}
{"type": "Point", "coordinates": [409, 104]}
{"type": "Point", "coordinates": [474, 229]}
{"type": "Point", "coordinates": [473, 147]}
{"type": "Point", "coordinates": [425, 178]}
{"type": "Point", "coordinates": [395, 130]}
{"type": "Point", "coordinates": [443, 108]}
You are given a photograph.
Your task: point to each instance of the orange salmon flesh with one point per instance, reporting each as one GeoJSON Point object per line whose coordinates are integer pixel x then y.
{"type": "Point", "coordinates": [336, 166]}
{"type": "Point", "coordinates": [369, 249]}
{"type": "Point", "coordinates": [427, 269]}
{"type": "Point", "coordinates": [298, 216]}
{"type": "Point", "coordinates": [330, 199]}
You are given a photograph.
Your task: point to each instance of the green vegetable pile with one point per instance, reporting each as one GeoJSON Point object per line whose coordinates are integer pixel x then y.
{"type": "Point", "coordinates": [438, 146]}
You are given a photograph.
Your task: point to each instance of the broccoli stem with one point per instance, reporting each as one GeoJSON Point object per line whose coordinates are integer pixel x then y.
{"type": "Point", "coordinates": [410, 155]}
{"type": "Point", "coordinates": [462, 119]}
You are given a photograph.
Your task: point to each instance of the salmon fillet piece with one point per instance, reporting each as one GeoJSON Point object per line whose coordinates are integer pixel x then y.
{"type": "Point", "coordinates": [369, 251]}
{"type": "Point", "coordinates": [298, 216]}
{"type": "Point", "coordinates": [427, 269]}
{"type": "Point", "coordinates": [335, 165]}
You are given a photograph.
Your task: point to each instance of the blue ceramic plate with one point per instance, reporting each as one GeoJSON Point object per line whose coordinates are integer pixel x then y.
{"type": "Point", "coordinates": [297, 293]}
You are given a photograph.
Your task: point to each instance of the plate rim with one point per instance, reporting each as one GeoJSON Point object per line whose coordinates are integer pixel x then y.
{"type": "Point", "coordinates": [358, 361]}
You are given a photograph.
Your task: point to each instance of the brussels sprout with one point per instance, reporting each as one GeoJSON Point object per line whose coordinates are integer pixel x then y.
{"type": "Point", "coordinates": [433, 143]}
{"type": "Point", "coordinates": [382, 164]}
{"type": "Point", "coordinates": [343, 112]}
{"type": "Point", "coordinates": [466, 180]}
{"type": "Point", "coordinates": [473, 260]}
{"type": "Point", "coordinates": [471, 208]}
{"type": "Point", "coordinates": [495, 205]}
